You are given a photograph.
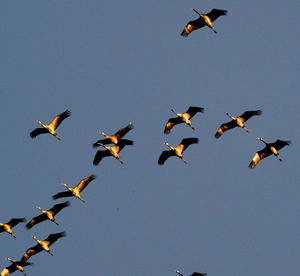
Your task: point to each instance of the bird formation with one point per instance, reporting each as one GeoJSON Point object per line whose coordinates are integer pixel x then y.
{"type": "Point", "coordinates": [118, 143]}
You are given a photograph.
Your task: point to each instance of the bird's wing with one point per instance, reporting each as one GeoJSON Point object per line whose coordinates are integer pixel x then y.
{"type": "Point", "coordinates": [279, 144]}
{"type": "Point", "coordinates": [13, 222]}
{"type": "Point", "coordinates": [171, 123]}
{"type": "Point", "coordinates": [54, 237]}
{"type": "Point", "coordinates": [8, 270]}
{"type": "Point", "coordinates": [164, 156]}
{"type": "Point", "coordinates": [59, 118]}
{"type": "Point", "coordinates": [62, 194]}
{"type": "Point", "coordinates": [120, 133]}
{"type": "Point", "coordinates": [103, 141]}
{"type": "Point", "coordinates": [125, 142]}
{"type": "Point", "coordinates": [38, 131]}
{"type": "Point", "coordinates": [99, 155]}
{"type": "Point", "coordinates": [215, 13]}
{"type": "Point", "coordinates": [1, 228]}
{"type": "Point", "coordinates": [58, 207]}
{"type": "Point", "coordinates": [31, 251]}
{"type": "Point", "coordinates": [84, 182]}
{"type": "Point", "coordinates": [36, 220]}
{"type": "Point", "coordinates": [225, 127]}
{"type": "Point", "coordinates": [259, 156]}
{"type": "Point", "coordinates": [198, 274]}
{"type": "Point", "coordinates": [186, 142]}
{"type": "Point", "coordinates": [193, 110]}
{"type": "Point", "coordinates": [193, 25]}
{"type": "Point", "coordinates": [248, 114]}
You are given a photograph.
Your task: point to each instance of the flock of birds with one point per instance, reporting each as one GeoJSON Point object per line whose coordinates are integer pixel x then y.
{"type": "Point", "coordinates": [118, 144]}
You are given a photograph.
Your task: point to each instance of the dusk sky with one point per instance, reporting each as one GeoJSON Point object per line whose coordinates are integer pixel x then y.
{"type": "Point", "coordinates": [115, 62]}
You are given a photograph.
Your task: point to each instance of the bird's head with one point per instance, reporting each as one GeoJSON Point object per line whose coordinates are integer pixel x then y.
{"type": "Point", "coordinates": [260, 139]}
{"type": "Point", "coordinates": [39, 208]}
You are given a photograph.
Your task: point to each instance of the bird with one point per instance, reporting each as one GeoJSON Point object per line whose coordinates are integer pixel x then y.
{"type": "Point", "coordinates": [9, 225]}
{"type": "Point", "coordinates": [111, 151]}
{"type": "Point", "coordinates": [270, 148]}
{"type": "Point", "coordinates": [114, 138]}
{"type": "Point", "coordinates": [52, 126]}
{"type": "Point", "coordinates": [16, 265]}
{"type": "Point", "coordinates": [176, 151]}
{"type": "Point", "coordinates": [49, 214]}
{"type": "Point", "coordinates": [76, 190]}
{"type": "Point", "coordinates": [193, 274]}
{"type": "Point", "coordinates": [237, 121]}
{"type": "Point", "coordinates": [203, 20]}
{"type": "Point", "coordinates": [42, 245]}
{"type": "Point", "coordinates": [182, 118]}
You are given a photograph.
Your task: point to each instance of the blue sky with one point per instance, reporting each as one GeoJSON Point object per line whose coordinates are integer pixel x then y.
{"type": "Point", "coordinates": [112, 63]}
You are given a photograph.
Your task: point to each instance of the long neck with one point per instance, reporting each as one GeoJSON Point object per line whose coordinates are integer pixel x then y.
{"type": "Point", "coordinates": [261, 139]}
{"type": "Point", "coordinates": [233, 118]}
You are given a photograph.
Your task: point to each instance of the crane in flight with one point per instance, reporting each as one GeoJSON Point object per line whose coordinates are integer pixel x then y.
{"type": "Point", "coordinates": [177, 151]}
{"type": "Point", "coordinates": [237, 122]}
{"type": "Point", "coordinates": [203, 20]}
{"type": "Point", "coordinates": [269, 149]}
{"type": "Point", "coordinates": [52, 126]}
{"type": "Point", "coordinates": [182, 118]}
{"type": "Point", "coordinates": [7, 227]}
{"type": "Point", "coordinates": [76, 190]}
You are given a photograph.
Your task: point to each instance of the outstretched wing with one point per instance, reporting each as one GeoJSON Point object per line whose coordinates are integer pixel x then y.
{"type": "Point", "coordinates": [192, 26]}
{"type": "Point", "coordinates": [84, 182]}
{"type": "Point", "coordinates": [171, 123]}
{"type": "Point", "coordinates": [58, 207]}
{"type": "Point", "coordinates": [225, 127]}
{"type": "Point", "coordinates": [13, 222]}
{"type": "Point", "coordinates": [62, 194]}
{"type": "Point", "coordinates": [36, 220]}
{"type": "Point", "coordinates": [259, 156]}
{"type": "Point", "coordinates": [215, 13]}
{"type": "Point", "coordinates": [59, 118]}
{"type": "Point", "coordinates": [120, 133]}
{"type": "Point", "coordinates": [279, 144]}
{"type": "Point", "coordinates": [99, 155]}
{"type": "Point", "coordinates": [54, 237]}
{"type": "Point", "coordinates": [38, 131]}
{"type": "Point", "coordinates": [31, 251]}
{"type": "Point", "coordinates": [248, 114]}
{"type": "Point", "coordinates": [164, 156]}
{"type": "Point", "coordinates": [193, 110]}
{"type": "Point", "coordinates": [187, 142]}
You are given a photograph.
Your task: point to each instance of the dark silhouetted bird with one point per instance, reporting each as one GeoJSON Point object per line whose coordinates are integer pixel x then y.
{"type": "Point", "coordinates": [270, 148]}
{"type": "Point", "coordinates": [76, 190]}
{"type": "Point", "coordinates": [193, 274]}
{"type": "Point", "coordinates": [182, 118]}
{"type": "Point", "coordinates": [9, 225]}
{"type": "Point", "coordinates": [176, 151]}
{"type": "Point", "coordinates": [203, 20]}
{"type": "Point", "coordinates": [236, 121]}
{"type": "Point", "coordinates": [42, 245]}
{"type": "Point", "coordinates": [52, 126]}
{"type": "Point", "coordinates": [111, 151]}
{"type": "Point", "coordinates": [114, 138]}
{"type": "Point", "coordinates": [16, 265]}
{"type": "Point", "coordinates": [49, 214]}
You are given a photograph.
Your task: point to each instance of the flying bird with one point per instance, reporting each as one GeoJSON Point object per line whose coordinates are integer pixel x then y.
{"type": "Point", "coordinates": [52, 126]}
{"type": "Point", "coordinates": [269, 149]}
{"type": "Point", "coordinates": [16, 265]}
{"type": "Point", "coordinates": [182, 118]}
{"type": "Point", "coordinates": [193, 274]}
{"type": "Point", "coordinates": [176, 151]}
{"type": "Point", "coordinates": [48, 214]}
{"type": "Point", "coordinates": [42, 245]}
{"type": "Point", "coordinates": [76, 190]}
{"type": "Point", "coordinates": [114, 138]}
{"type": "Point", "coordinates": [9, 225]}
{"type": "Point", "coordinates": [203, 20]}
{"type": "Point", "coordinates": [111, 151]}
{"type": "Point", "coordinates": [236, 121]}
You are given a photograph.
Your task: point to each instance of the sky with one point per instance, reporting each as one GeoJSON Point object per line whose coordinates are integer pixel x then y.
{"type": "Point", "coordinates": [114, 62]}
